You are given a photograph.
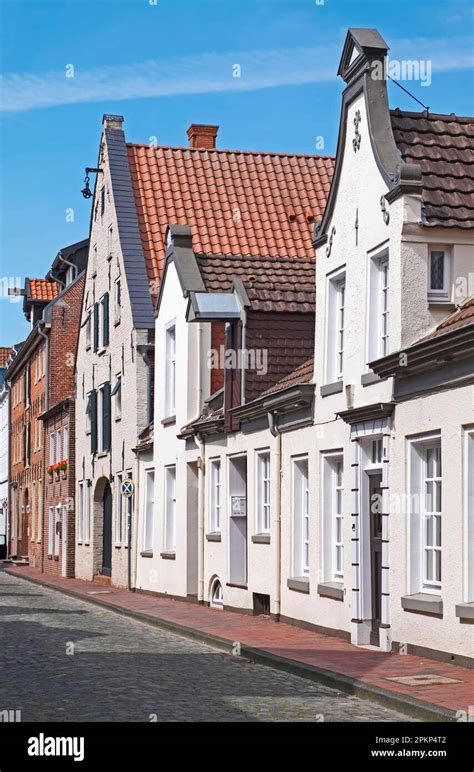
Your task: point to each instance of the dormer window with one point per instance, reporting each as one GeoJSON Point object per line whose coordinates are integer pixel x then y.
{"type": "Point", "coordinates": [439, 275]}
{"type": "Point", "coordinates": [70, 275]}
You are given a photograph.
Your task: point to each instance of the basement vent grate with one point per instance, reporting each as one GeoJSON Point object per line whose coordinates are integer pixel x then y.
{"type": "Point", "coordinates": [99, 592]}
{"type": "Point", "coordinates": [426, 679]}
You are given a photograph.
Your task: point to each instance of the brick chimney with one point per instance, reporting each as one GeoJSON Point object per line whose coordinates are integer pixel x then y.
{"type": "Point", "coordinates": [202, 136]}
{"type": "Point", "coordinates": [112, 121]}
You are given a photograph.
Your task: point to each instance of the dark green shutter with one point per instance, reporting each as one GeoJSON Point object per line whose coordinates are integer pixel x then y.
{"type": "Point", "coordinates": [93, 415]}
{"type": "Point", "coordinates": [106, 416]}
{"type": "Point", "coordinates": [105, 308]}
{"type": "Point", "coordinates": [96, 327]}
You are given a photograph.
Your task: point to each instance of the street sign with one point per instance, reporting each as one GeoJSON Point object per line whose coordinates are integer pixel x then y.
{"type": "Point", "coordinates": [127, 488]}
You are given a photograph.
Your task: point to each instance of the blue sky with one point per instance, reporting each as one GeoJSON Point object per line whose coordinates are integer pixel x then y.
{"type": "Point", "coordinates": [165, 64]}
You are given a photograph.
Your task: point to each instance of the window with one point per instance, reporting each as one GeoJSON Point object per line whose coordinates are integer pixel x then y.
{"type": "Point", "coordinates": [170, 382]}
{"type": "Point", "coordinates": [27, 386]}
{"type": "Point", "coordinates": [103, 421]}
{"type": "Point", "coordinates": [39, 521]}
{"type": "Point", "coordinates": [300, 517]}
{"type": "Point", "coordinates": [57, 528]}
{"type": "Point", "coordinates": [110, 239]}
{"type": "Point", "coordinates": [50, 530]}
{"type": "Point", "coordinates": [216, 495]}
{"type": "Point", "coordinates": [149, 506]}
{"type": "Point", "coordinates": [94, 260]}
{"type": "Point", "coordinates": [333, 518]}
{"type": "Point", "coordinates": [117, 301]}
{"type": "Point", "coordinates": [102, 200]}
{"type": "Point", "coordinates": [33, 511]}
{"type": "Point", "coordinates": [26, 444]}
{"type": "Point", "coordinates": [103, 315]}
{"type": "Point", "coordinates": [263, 492]}
{"type": "Point", "coordinates": [425, 514]}
{"type": "Point", "coordinates": [88, 412]}
{"type": "Point", "coordinates": [469, 502]}
{"type": "Point", "coordinates": [336, 299]}
{"type": "Point", "coordinates": [376, 450]}
{"type": "Point", "coordinates": [65, 442]}
{"type": "Point", "coordinates": [117, 393]}
{"type": "Point", "coordinates": [70, 275]}
{"type": "Point", "coordinates": [119, 502]}
{"type": "Point", "coordinates": [80, 512]}
{"type": "Point", "coordinates": [217, 595]}
{"type": "Point", "coordinates": [58, 446]}
{"type": "Point", "coordinates": [87, 512]}
{"type": "Point", "coordinates": [378, 321]}
{"type": "Point", "coordinates": [88, 329]}
{"type": "Point", "coordinates": [439, 274]}
{"type": "Point", "coordinates": [170, 509]}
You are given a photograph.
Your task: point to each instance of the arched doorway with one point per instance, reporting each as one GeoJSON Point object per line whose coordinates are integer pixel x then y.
{"type": "Point", "coordinates": [107, 531]}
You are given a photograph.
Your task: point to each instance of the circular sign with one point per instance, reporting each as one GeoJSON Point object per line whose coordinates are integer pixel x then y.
{"type": "Point", "coordinates": [127, 488]}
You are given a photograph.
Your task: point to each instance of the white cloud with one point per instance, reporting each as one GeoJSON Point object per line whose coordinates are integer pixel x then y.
{"type": "Point", "coordinates": [207, 73]}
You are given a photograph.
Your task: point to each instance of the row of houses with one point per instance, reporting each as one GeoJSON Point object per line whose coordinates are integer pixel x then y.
{"type": "Point", "coordinates": [277, 353]}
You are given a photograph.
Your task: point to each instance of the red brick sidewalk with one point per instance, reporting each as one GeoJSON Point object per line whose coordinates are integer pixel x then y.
{"type": "Point", "coordinates": [324, 658]}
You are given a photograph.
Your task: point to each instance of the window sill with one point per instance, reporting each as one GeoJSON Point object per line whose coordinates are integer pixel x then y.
{"type": "Point", "coordinates": [118, 418]}
{"type": "Point", "coordinates": [299, 584]}
{"type": "Point", "coordinates": [146, 554]}
{"type": "Point", "coordinates": [118, 546]}
{"type": "Point", "coordinates": [168, 555]}
{"type": "Point", "coordinates": [214, 536]}
{"type": "Point", "coordinates": [368, 378]}
{"type": "Point", "coordinates": [169, 421]}
{"type": "Point", "coordinates": [103, 454]}
{"type": "Point", "coordinates": [423, 603]}
{"type": "Point", "coordinates": [331, 388]}
{"type": "Point", "coordinates": [116, 322]}
{"type": "Point", "coordinates": [101, 351]}
{"type": "Point", "coordinates": [465, 610]}
{"type": "Point", "coordinates": [333, 590]}
{"type": "Point", "coordinates": [440, 303]}
{"type": "Point", "coordinates": [239, 585]}
{"type": "Point", "coordinates": [261, 538]}
{"type": "Point", "coordinates": [88, 348]}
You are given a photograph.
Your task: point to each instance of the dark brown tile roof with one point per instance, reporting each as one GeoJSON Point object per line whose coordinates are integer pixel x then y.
{"type": "Point", "coordinates": [42, 289]}
{"type": "Point", "coordinates": [5, 354]}
{"type": "Point", "coordinates": [443, 145]}
{"type": "Point", "coordinates": [462, 317]}
{"type": "Point", "coordinates": [303, 374]}
{"type": "Point", "coordinates": [236, 203]}
{"type": "Point", "coordinates": [272, 283]}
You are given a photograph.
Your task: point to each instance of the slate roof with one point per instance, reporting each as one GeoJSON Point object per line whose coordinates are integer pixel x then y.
{"type": "Point", "coordinates": [303, 374]}
{"type": "Point", "coordinates": [272, 283]}
{"type": "Point", "coordinates": [443, 145]}
{"type": "Point", "coordinates": [42, 290]}
{"type": "Point", "coordinates": [462, 317]}
{"type": "Point", "coordinates": [242, 204]}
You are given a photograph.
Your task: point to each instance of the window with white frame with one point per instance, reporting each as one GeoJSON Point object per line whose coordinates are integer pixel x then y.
{"type": "Point", "coordinates": [80, 512]}
{"type": "Point", "coordinates": [40, 511]}
{"type": "Point", "coordinates": [119, 508]}
{"type": "Point", "coordinates": [300, 517]}
{"type": "Point", "coordinates": [110, 241]}
{"type": "Point", "coordinates": [117, 393]}
{"type": "Point", "coordinates": [33, 511]}
{"type": "Point", "coordinates": [379, 311]}
{"type": "Point", "coordinates": [170, 370]}
{"type": "Point", "coordinates": [52, 448]}
{"type": "Point", "coordinates": [58, 446]}
{"type": "Point", "coordinates": [65, 442]}
{"type": "Point", "coordinates": [336, 301]}
{"type": "Point", "coordinates": [148, 509]}
{"type": "Point", "coordinates": [88, 413]}
{"type": "Point", "coordinates": [263, 492]}
{"type": "Point", "coordinates": [117, 301]}
{"type": "Point", "coordinates": [88, 328]}
{"type": "Point", "coordinates": [333, 517]}
{"type": "Point", "coordinates": [57, 528]}
{"type": "Point", "coordinates": [50, 530]}
{"type": "Point", "coordinates": [469, 504]}
{"type": "Point", "coordinates": [94, 260]}
{"type": "Point", "coordinates": [439, 271]}
{"type": "Point", "coordinates": [87, 512]}
{"type": "Point", "coordinates": [170, 509]}
{"type": "Point", "coordinates": [425, 515]}
{"type": "Point", "coordinates": [216, 495]}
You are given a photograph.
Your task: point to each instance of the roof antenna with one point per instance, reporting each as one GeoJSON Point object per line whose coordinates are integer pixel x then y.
{"type": "Point", "coordinates": [408, 92]}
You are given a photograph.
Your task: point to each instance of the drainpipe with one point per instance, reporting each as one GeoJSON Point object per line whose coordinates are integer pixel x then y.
{"type": "Point", "coordinates": [68, 262]}
{"type": "Point", "coordinates": [46, 406]}
{"type": "Point", "coordinates": [244, 359]}
{"type": "Point", "coordinates": [201, 490]}
{"type": "Point", "coordinates": [276, 531]}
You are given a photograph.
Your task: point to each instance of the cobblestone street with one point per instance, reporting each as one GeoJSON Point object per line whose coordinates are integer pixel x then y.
{"type": "Point", "coordinates": [63, 659]}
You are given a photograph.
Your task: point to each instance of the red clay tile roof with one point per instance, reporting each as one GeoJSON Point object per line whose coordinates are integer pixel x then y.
{"type": "Point", "coordinates": [5, 354]}
{"type": "Point", "coordinates": [443, 145]}
{"type": "Point", "coordinates": [462, 317]}
{"type": "Point", "coordinates": [303, 374]}
{"type": "Point", "coordinates": [42, 289]}
{"type": "Point", "coordinates": [236, 203]}
{"type": "Point", "coordinates": [272, 283]}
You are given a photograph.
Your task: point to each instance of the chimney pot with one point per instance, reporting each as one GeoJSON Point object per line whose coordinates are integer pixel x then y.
{"type": "Point", "coordinates": [202, 136]}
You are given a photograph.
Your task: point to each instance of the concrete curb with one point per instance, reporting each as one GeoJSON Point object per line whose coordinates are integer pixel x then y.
{"type": "Point", "coordinates": [410, 705]}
